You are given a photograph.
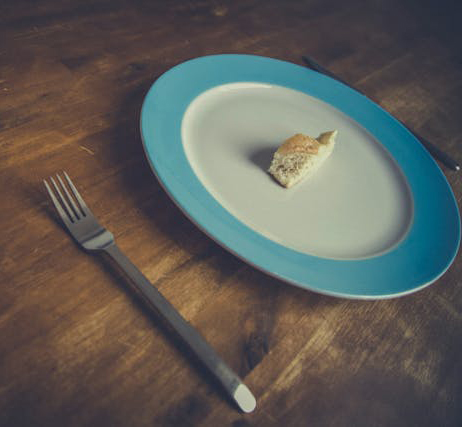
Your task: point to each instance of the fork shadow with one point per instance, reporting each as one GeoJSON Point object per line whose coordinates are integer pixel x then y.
{"type": "Point", "coordinates": [36, 196]}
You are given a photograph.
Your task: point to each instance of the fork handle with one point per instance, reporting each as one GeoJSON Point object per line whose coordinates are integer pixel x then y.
{"type": "Point", "coordinates": [231, 383]}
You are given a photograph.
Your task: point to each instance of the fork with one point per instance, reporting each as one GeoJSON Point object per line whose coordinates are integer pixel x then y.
{"type": "Point", "coordinates": [86, 230]}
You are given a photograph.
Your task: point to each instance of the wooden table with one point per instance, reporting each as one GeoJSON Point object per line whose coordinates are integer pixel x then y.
{"type": "Point", "coordinates": [78, 349]}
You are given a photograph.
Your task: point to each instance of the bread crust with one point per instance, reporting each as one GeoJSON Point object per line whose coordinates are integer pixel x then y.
{"type": "Point", "coordinates": [299, 143]}
{"type": "Point", "coordinates": [325, 137]}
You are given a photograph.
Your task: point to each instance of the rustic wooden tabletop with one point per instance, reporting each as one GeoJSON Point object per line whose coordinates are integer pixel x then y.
{"type": "Point", "coordinates": [77, 348]}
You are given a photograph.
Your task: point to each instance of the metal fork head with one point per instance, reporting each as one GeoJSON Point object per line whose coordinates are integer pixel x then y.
{"type": "Point", "coordinates": [76, 215]}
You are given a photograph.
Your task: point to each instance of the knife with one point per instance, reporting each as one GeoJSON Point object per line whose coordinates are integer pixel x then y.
{"type": "Point", "coordinates": [432, 149]}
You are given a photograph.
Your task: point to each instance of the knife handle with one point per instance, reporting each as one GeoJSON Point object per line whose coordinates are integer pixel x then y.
{"type": "Point", "coordinates": [431, 148]}
{"type": "Point", "coordinates": [435, 151]}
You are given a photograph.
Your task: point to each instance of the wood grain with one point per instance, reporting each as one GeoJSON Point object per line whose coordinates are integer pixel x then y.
{"type": "Point", "coordinates": [78, 349]}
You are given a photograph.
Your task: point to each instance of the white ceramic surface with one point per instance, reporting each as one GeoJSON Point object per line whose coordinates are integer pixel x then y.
{"type": "Point", "coordinates": [356, 206]}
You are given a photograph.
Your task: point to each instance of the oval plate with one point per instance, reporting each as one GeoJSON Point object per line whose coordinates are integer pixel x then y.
{"type": "Point", "coordinates": [191, 105]}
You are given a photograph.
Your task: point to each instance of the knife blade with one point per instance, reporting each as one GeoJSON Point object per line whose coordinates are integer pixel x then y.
{"type": "Point", "coordinates": [438, 154]}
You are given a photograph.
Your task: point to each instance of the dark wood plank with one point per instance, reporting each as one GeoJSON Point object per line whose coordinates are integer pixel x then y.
{"type": "Point", "coordinates": [78, 348]}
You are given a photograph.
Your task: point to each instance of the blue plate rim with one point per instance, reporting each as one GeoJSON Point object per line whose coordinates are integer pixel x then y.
{"type": "Point", "coordinates": [418, 260]}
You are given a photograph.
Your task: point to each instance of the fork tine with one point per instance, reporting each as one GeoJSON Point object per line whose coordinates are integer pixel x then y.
{"type": "Point", "coordinates": [69, 198]}
{"type": "Point", "coordinates": [83, 205]}
{"type": "Point", "coordinates": [71, 214]}
{"type": "Point", "coordinates": [62, 213]}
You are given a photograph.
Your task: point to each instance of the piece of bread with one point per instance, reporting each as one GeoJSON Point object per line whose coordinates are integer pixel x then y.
{"type": "Point", "coordinates": [300, 156]}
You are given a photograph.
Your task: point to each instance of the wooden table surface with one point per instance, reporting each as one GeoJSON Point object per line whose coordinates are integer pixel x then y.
{"type": "Point", "coordinates": [77, 348]}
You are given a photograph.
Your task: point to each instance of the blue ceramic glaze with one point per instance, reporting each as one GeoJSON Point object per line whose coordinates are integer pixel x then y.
{"type": "Point", "coordinates": [420, 258]}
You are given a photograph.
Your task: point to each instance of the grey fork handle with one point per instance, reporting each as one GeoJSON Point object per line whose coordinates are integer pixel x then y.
{"type": "Point", "coordinates": [231, 383]}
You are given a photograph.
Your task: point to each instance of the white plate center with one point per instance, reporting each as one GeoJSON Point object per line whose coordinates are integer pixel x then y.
{"type": "Point", "coordinates": [356, 206]}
